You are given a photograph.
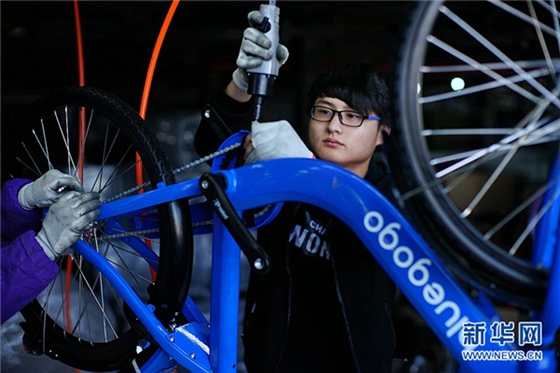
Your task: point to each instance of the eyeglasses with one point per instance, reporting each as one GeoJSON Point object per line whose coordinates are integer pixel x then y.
{"type": "Point", "coordinates": [347, 117]}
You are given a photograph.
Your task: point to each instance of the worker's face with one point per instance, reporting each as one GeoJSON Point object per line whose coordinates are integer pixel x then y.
{"type": "Point", "coordinates": [348, 147]}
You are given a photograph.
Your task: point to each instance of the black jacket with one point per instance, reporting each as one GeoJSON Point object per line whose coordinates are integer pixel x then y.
{"type": "Point", "coordinates": [325, 304]}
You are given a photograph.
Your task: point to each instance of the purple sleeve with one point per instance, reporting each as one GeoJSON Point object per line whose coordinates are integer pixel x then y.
{"type": "Point", "coordinates": [16, 220]}
{"type": "Point", "coordinates": [26, 269]}
{"type": "Point", "coordinates": [26, 272]}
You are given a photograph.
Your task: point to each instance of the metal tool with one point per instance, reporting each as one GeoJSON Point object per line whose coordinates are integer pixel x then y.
{"type": "Point", "coordinates": [261, 79]}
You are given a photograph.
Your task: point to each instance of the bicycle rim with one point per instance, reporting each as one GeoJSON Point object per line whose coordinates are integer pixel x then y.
{"type": "Point", "coordinates": [80, 319]}
{"type": "Point", "coordinates": [478, 110]}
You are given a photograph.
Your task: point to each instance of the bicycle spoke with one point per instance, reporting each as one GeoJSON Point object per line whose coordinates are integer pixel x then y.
{"type": "Point", "coordinates": [35, 172]}
{"type": "Point", "coordinates": [98, 300]}
{"type": "Point", "coordinates": [459, 173]}
{"type": "Point", "coordinates": [522, 16]}
{"type": "Point", "coordinates": [114, 176]}
{"type": "Point", "coordinates": [482, 87]}
{"type": "Point", "coordinates": [66, 139]}
{"type": "Point", "coordinates": [544, 47]}
{"type": "Point", "coordinates": [122, 264]}
{"type": "Point", "coordinates": [532, 224]}
{"type": "Point", "coordinates": [45, 153]}
{"type": "Point", "coordinates": [83, 145]}
{"type": "Point", "coordinates": [499, 79]}
{"type": "Point", "coordinates": [515, 136]}
{"type": "Point", "coordinates": [489, 183]}
{"type": "Point", "coordinates": [105, 155]}
{"type": "Point", "coordinates": [539, 193]}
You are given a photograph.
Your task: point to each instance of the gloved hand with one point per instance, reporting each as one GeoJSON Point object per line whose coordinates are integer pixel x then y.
{"type": "Point", "coordinates": [43, 192]}
{"type": "Point", "coordinates": [255, 48]}
{"type": "Point", "coordinates": [272, 140]}
{"type": "Point", "coordinates": [65, 221]}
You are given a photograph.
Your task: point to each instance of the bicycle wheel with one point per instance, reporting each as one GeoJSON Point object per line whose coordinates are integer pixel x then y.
{"type": "Point", "coordinates": [80, 319]}
{"type": "Point", "coordinates": [477, 113]}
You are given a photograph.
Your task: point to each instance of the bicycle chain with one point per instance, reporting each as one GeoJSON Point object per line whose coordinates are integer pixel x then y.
{"type": "Point", "coordinates": [177, 171]}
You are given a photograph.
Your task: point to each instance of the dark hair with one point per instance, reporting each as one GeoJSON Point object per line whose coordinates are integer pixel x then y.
{"type": "Point", "coordinates": [359, 84]}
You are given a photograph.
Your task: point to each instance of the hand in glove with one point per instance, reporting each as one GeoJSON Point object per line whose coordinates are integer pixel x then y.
{"type": "Point", "coordinates": [272, 140]}
{"type": "Point", "coordinates": [255, 48]}
{"type": "Point", "coordinates": [66, 220]}
{"type": "Point", "coordinates": [43, 192]}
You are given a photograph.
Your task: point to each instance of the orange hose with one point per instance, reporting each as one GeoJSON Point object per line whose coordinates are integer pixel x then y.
{"type": "Point", "coordinates": [147, 87]}
{"type": "Point", "coordinates": [82, 82]}
{"type": "Point", "coordinates": [81, 140]}
{"type": "Point", "coordinates": [150, 76]}
{"type": "Point", "coordinates": [155, 54]}
{"type": "Point", "coordinates": [81, 70]}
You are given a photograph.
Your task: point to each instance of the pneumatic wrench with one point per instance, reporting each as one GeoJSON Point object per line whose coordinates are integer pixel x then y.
{"type": "Point", "coordinates": [261, 79]}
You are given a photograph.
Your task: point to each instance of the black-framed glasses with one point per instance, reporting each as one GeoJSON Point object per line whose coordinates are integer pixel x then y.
{"type": "Point", "coordinates": [347, 117]}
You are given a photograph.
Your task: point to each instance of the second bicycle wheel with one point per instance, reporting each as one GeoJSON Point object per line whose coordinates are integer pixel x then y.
{"type": "Point", "coordinates": [80, 319]}
{"type": "Point", "coordinates": [478, 131]}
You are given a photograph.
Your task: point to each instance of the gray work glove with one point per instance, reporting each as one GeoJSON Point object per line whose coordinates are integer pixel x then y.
{"type": "Point", "coordinates": [66, 220]}
{"type": "Point", "coordinates": [43, 192]}
{"type": "Point", "coordinates": [272, 140]}
{"type": "Point", "coordinates": [255, 48]}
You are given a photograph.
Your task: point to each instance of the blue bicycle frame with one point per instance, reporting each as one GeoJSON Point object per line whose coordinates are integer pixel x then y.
{"type": "Point", "coordinates": [407, 259]}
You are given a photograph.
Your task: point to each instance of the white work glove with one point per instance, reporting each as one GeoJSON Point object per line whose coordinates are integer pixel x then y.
{"type": "Point", "coordinates": [255, 48]}
{"type": "Point", "coordinates": [272, 140]}
{"type": "Point", "coordinates": [66, 220]}
{"type": "Point", "coordinates": [43, 192]}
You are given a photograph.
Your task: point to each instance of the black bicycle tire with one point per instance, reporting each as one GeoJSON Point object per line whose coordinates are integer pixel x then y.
{"type": "Point", "coordinates": [171, 285]}
{"type": "Point", "coordinates": [476, 261]}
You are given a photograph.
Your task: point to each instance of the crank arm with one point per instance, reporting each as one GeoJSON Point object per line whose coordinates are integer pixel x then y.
{"type": "Point", "coordinates": [213, 187]}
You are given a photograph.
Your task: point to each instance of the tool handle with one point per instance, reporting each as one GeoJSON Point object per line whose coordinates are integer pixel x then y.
{"type": "Point", "coordinates": [261, 78]}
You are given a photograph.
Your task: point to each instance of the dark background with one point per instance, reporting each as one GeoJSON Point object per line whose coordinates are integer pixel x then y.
{"type": "Point", "coordinates": [39, 50]}
{"type": "Point", "coordinates": [39, 43]}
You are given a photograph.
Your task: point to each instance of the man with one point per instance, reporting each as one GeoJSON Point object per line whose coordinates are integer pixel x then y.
{"type": "Point", "coordinates": [324, 310]}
